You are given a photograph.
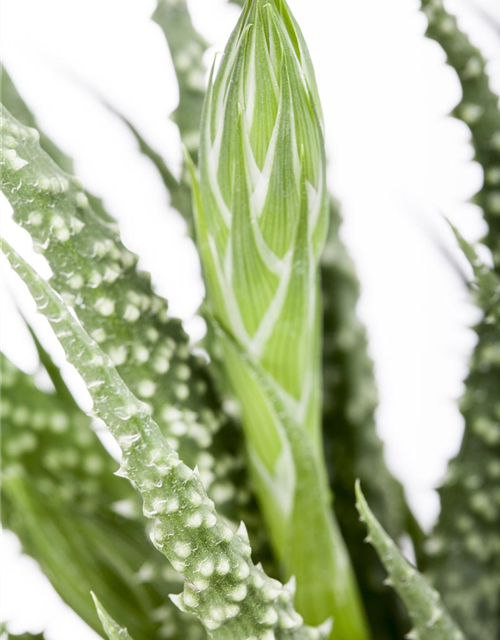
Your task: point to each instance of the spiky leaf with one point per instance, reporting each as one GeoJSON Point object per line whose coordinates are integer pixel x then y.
{"type": "Point", "coordinates": [464, 549]}
{"type": "Point", "coordinates": [478, 108]}
{"type": "Point", "coordinates": [223, 588]}
{"type": "Point", "coordinates": [116, 304]}
{"type": "Point", "coordinates": [187, 47]}
{"type": "Point", "coordinates": [80, 523]}
{"type": "Point", "coordinates": [430, 619]}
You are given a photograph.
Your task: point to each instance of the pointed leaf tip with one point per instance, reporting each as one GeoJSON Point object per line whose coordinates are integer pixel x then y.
{"type": "Point", "coordinates": [428, 614]}
{"type": "Point", "coordinates": [178, 601]}
{"type": "Point", "coordinates": [112, 629]}
{"type": "Point", "coordinates": [243, 532]}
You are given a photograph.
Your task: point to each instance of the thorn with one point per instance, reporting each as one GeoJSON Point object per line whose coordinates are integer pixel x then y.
{"type": "Point", "coordinates": [243, 533]}
{"type": "Point", "coordinates": [291, 585]}
{"type": "Point", "coordinates": [178, 600]}
{"type": "Point", "coordinates": [325, 629]}
{"type": "Point", "coordinates": [121, 472]}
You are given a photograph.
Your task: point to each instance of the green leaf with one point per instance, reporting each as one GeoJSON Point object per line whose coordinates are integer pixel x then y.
{"type": "Point", "coordinates": [230, 595]}
{"type": "Point", "coordinates": [112, 629]}
{"type": "Point", "coordinates": [179, 191]}
{"type": "Point", "coordinates": [11, 98]}
{"type": "Point", "coordinates": [151, 348]}
{"type": "Point", "coordinates": [464, 550]}
{"type": "Point", "coordinates": [187, 48]}
{"type": "Point", "coordinates": [478, 109]}
{"type": "Point", "coordinates": [262, 272]}
{"type": "Point", "coordinates": [430, 619]}
{"type": "Point", "coordinates": [485, 284]}
{"type": "Point", "coordinates": [72, 515]}
{"type": "Point", "coordinates": [116, 304]}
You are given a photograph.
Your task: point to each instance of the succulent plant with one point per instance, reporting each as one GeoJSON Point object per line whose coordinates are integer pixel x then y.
{"type": "Point", "coordinates": [239, 525]}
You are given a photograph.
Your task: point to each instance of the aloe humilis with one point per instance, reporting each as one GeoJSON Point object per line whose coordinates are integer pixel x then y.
{"type": "Point", "coordinates": [261, 214]}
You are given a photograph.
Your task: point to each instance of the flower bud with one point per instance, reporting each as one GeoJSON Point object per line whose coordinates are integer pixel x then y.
{"type": "Point", "coordinates": [263, 210]}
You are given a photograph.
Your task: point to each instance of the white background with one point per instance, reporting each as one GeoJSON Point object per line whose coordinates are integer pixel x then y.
{"type": "Point", "coordinates": [398, 164]}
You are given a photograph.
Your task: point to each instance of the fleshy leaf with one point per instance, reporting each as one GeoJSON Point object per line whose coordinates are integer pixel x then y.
{"type": "Point", "coordinates": [187, 48]}
{"type": "Point", "coordinates": [78, 521]}
{"type": "Point", "coordinates": [116, 304]}
{"type": "Point", "coordinates": [464, 551]}
{"type": "Point", "coordinates": [224, 589]}
{"type": "Point", "coordinates": [430, 619]}
{"type": "Point", "coordinates": [464, 548]}
{"type": "Point", "coordinates": [478, 109]}
{"type": "Point", "coordinates": [322, 554]}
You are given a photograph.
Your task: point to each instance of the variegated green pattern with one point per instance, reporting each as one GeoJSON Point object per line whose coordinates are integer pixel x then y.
{"type": "Point", "coordinates": [231, 596]}
{"type": "Point", "coordinates": [430, 619]}
{"type": "Point", "coordinates": [351, 444]}
{"type": "Point", "coordinates": [261, 214]}
{"type": "Point", "coordinates": [223, 458]}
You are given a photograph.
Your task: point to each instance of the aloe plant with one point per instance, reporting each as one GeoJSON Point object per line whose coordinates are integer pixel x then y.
{"type": "Point", "coordinates": [284, 342]}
